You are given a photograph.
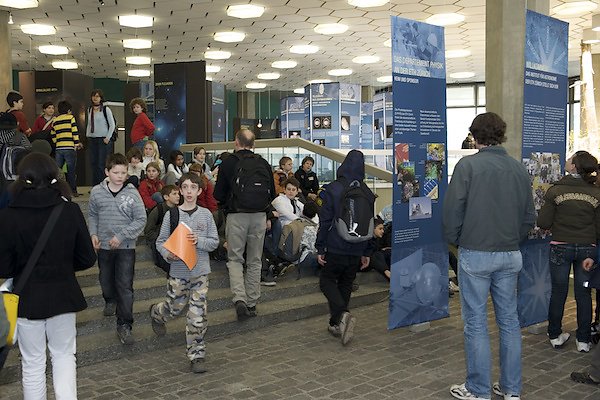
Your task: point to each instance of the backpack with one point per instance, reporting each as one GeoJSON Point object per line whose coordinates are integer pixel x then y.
{"type": "Point", "coordinates": [159, 260]}
{"type": "Point", "coordinates": [10, 154]}
{"type": "Point", "coordinates": [115, 134]}
{"type": "Point", "coordinates": [354, 219]}
{"type": "Point", "coordinates": [251, 184]}
{"type": "Point", "coordinates": [291, 236]}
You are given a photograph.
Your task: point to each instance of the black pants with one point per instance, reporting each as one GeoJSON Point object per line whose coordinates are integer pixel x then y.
{"type": "Point", "coordinates": [336, 283]}
{"type": "Point", "coordinates": [380, 261]}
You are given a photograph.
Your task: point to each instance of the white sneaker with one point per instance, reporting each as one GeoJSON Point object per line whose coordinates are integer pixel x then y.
{"type": "Point", "coordinates": [460, 392]}
{"type": "Point", "coordinates": [582, 347]}
{"type": "Point", "coordinates": [497, 391]}
{"type": "Point", "coordinates": [560, 340]}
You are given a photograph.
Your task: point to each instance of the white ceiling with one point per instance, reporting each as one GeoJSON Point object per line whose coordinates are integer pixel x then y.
{"type": "Point", "coordinates": [184, 28]}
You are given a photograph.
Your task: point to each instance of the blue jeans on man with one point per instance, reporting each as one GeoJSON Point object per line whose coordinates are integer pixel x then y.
{"type": "Point", "coordinates": [68, 156]}
{"type": "Point", "coordinates": [116, 280]}
{"type": "Point", "coordinates": [98, 153]}
{"type": "Point", "coordinates": [482, 272]}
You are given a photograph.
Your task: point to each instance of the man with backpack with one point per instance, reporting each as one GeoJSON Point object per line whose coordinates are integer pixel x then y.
{"type": "Point", "coordinates": [343, 240]}
{"type": "Point", "coordinates": [244, 190]}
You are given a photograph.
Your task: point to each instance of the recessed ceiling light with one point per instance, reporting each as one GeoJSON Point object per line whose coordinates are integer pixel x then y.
{"type": "Point", "coordinates": [385, 79]}
{"type": "Point", "coordinates": [462, 75]}
{"type": "Point", "coordinates": [365, 59]}
{"type": "Point", "coordinates": [299, 90]}
{"type": "Point", "coordinates": [596, 22]}
{"type": "Point", "coordinates": [367, 3]}
{"type": "Point", "coordinates": [19, 3]}
{"type": "Point", "coordinates": [458, 53]}
{"type": "Point", "coordinates": [140, 73]}
{"type": "Point", "coordinates": [212, 68]}
{"type": "Point", "coordinates": [331, 29]}
{"type": "Point", "coordinates": [136, 21]}
{"type": "Point", "coordinates": [64, 64]}
{"type": "Point", "coordinates": [137, 43]}
{"type": "Point", "coordinates": [209, 78]}
{"type": "Point", "coordinates": [54, 50]}
{"type": "Point", "coordinates": [138, 60]}
{"type": "Point", "coordinates": [575, 7]}
{"type": "Point", "coordinates": [217, 54]}
{"type": "Point", "coordinates": [256, 85]}
{"type": "Point", "coordinates": [304, 49]}
{"type": "Point", "coordinates": [388, 43]}
{"type": "Point", "coordinates": [229, 37]}
{"type": "Point", "coordinates": [320, 81]}
{"type": "Point", "coordinates": [38, 29]}
{"type": "Point", "coordinates": [340, 72]}
{"type": "Point", "coordinates": [590, 36]}
{"type": "Point", "coordinates": [284, 64]}
{"type": "Point", "coordinates": [245, 11]}
{"type": "Point", "coordinates": [445, 19]}
{"type": "Point", "coordinates": [269, 75]}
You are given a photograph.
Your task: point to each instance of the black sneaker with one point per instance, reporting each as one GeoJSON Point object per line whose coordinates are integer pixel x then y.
{"type": "Point", "coordinates": [241, 310]}
{"type": "Point", "coordinates": [109, 309]}
{"type": "Point", "coordinates": [197, 366]}
{"type": "Point", "coordinates": [252, 311]}
{"type": "Point", "coordinates": [125, 335]}
{"type": "Point", "coordinates": [159, 328]}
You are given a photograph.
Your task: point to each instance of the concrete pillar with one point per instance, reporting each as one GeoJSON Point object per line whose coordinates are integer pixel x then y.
{"type": "Point", "coordinates": [5, 59]}
{"type": "Point", "coordinates": [505, 63]}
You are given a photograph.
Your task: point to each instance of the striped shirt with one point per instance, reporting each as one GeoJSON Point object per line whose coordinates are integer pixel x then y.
{"type": "Point", "coordinates": [64, 132]}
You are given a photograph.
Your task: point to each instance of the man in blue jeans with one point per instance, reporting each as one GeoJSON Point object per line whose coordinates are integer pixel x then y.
{"type": "Point", "coordinates": [488, 210]}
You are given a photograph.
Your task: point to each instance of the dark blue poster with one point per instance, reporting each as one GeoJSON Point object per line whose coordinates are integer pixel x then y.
{"type": "Point", "coordinates": [325, 114]}
{"type": "Point", "coordinates": [419, 284]}
{"type": "Point", "coordinates": [218, 112]}
{"type": "Point", "coordinates": [544, 135]}
{"type": "Point", "coordinates": [388, 117]}
{"type": "Point", "coordinates": [350, 116]}
{"type": "Point", "coordinates": [379, 127]}
{"type": "Point", "coordinates": [169, 107]}
{"type": "Point", "coordinates": [307, 114]}
{"type": "Point", "coordinates": [292, 116]}
{"type": "Point", "coordinates": [366, 125]}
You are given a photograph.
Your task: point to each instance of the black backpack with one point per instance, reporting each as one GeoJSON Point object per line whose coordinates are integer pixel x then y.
{"type": "Point", "coordinates": [159, 261]}
{"type": "Point", "coordinates": [251, 184]}
{"type": "Point", "coordinates": [115, 134]}
{"type": "Point", "coordinates": [354, 219]}
{"type": "Point", "coordinates": [10, 154]}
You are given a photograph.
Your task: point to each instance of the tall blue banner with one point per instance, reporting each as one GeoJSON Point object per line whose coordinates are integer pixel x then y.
{"type": "Point", "coordinates": [350, 116]}
{"type": "Point", "coordinates": [325, 114]}
{"type": "Point", "coordinates": [170, 107]}
{"type": "Point", "coordinates": [388, 118]}
{"type": "Point", "coordinates": [419, 283]}
{"type": "Point", "coordinates": [379, 121]}
{"type": "Point", "coordinates": [366, 125]}
{"type": "Point", "coordinates": [292, 116]}
{"type": "Point", "coordinates": [543, 147]}
{"type": "Point", "coordinates": [218, 112]}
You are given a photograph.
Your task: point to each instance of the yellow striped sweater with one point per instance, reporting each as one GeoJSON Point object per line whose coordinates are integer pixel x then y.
{"type": "Point", "coordinates": [64, 132]}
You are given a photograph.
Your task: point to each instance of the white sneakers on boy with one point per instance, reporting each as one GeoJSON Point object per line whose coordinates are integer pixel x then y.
{"type": "Point", "coordinates": [582, 347]}
{"type": "Point", "coordinates": [460, 392]}
{"type": "Point", "coordinates": [559, 342]}
{"type": "Point", "coordinates": [505, 396]}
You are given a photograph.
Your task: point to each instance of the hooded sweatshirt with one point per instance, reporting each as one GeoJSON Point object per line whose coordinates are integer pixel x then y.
{"type": "Point", "coordinates": [328, 240]}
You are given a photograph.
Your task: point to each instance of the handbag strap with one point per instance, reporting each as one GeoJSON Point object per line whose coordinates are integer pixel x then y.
{"type": "Point", "coordinates": [39, 246]}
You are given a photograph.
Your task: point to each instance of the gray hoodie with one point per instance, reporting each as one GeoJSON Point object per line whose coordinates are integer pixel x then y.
{"type": "Point", "coordinates": [123, 215]}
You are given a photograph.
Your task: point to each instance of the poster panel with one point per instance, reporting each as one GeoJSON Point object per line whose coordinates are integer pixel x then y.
{"type": "Point", "coordinates": [350, 116]}
{"type": "Point", "coordinates": [379, 121]}
{"type": "Point", "coordinates": [170, 107]}
{"type": "Point", "coordinates": [366, 125]}
{"type": "Point", "coordinates": [325, 114]}
{"type": "Point", "coordinates": [218, 112]}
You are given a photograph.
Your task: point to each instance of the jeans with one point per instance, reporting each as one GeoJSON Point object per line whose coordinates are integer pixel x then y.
{"type": "Point", "coordinates": [60, 333]}
{"type": "Point", "coordinates": [116, 280]}
{"type": "Point", "coordinates": [272, 238]}
{"type": "Point", "coordinates": [68, 156]}
{"type": "Point", "coordinates": [480, 273]}
{"type": "Point", "coordinates": [561, 258]}
{"type": "Point", "coordinates": [310, 264]}
{"type": "Point", "coordinates": [98, 153]}
{"type": "Point", "coordinates": [336, 283]}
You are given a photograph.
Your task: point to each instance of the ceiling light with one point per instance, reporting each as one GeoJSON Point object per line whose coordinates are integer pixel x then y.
{"type": "Point", "coordinates": [575, 7]}
{"type": "Point", "coordinates": [388, 43]}
{"type": "Point", "coordinates": [212, 68]}
{"type": "Point", "coordinates": [217, 54]}
{"type": "Point", "coordinates": [445, 19]}
{"type": "Point", "coordinates": [64, 64]}
{"type": "Point", "coordinates": [140, 73]}
{"type": "Point", "coordinates": [229, 37]}
{"type": "Point", "coordinates": [365, 59]}
{"type": "Point", "coordinates": [10, 19]}
{"type": "Point", "coordinates": [299, 90]}
{"type": "Point", "coordinates": [138, 60]}
{"type": "Point", "coordinates": [304, 49]}
{"type": "Point", "coordinates": [136, 21]}
{"type": "Point", "coordinates": [340, 72]}
{"type": "Point", "coordinates": [245, 11]}
{"type": "Point", "coordinates": [137, 43]}
{"type": "Point", "coordinates": [38, 29]}
{"type": "Point", "coordinates": [462, 75]}
{"type": "Point", "coordinates": [459, 53]}
{"type": "Point", "coordinates": [590, 36]}
{"type": "Point", "coordinates": [284, 64]}
{"type": "Point", "coordinates": [331, 29]}
{"type": "Point", "coordinates": [320, 81]}
{"type": "Point", "coordinates": [269, 75]}
{"type": "Point", "coordinates": [596, 22]}
{"type": "Point", "coordinates": [256, 85]}
{"type": "Point", "coordinates": [54, 50]}
{"type": "Point", "coordinates": [385, 79]}
{"type": "Point", "coordinates": [367, 3]}
{"type": "Point", "coordinates": [19, 3]}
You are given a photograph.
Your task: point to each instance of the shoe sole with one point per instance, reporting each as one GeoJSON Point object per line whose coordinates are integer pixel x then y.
{"type": "Point", "coordinates": [348, 332]}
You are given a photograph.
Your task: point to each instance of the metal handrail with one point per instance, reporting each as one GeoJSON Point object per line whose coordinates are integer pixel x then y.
{"type": "Point", "coordinates": [334, 155]}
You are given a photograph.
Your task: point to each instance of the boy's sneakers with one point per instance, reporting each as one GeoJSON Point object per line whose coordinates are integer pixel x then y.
{"type": "Point", "coordinates": [125, 335]}
{"type": "Point", "coordinates": [252, 311]}
{"type": "Point", "coordinates": [334, 330]}
{"type": "Point", "coordinates": [559, 342]}
{"type": "Point", "coordinates": [461, 392]}
{"type": "Point", "coordinates": [241, 310]}
{"type": "Point", "coordinates": [109, 309]}
{"type": "Point", "coordinates": [584, 377]}
{"type": "Point", "coordinates": [582, 347]}
{"type": "Point", "coordinates": [197, 366]}
{"type": "Point", "coordinates": [498, 391]}
{"type": "Point", "coordinates": [159, 328]}
{"type": "Point", "coordinates": [267, 281]}
{"type": "Point", "coordinates": [346, 325]}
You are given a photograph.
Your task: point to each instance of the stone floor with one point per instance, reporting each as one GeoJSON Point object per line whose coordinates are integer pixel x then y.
{"type": "Point", "coordinates": [300, 360]}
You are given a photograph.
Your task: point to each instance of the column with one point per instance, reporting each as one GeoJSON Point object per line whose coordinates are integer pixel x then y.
{"type": "Point", "coordinates": [5, 58]}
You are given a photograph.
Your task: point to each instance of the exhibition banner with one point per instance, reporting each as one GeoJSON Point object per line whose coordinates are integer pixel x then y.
{"type": "Point", "coordinates": [379, 121]}
{"type": "Point", "coordinates": [419, 283]}
{"type": "Point", "coordinates": [325, 114]}
{"type": "Point", "coordinates": [350, 116]}
{"type": "Point", "coordinates": [366, 126]}
{"type": "Point", "coordinates": [170, 107]}
{"type": "Point", "coordinates": [218, 112]}
{"type": "Point", "coordinates": [292, 116]}
{"type": "Point", "coordinates": [388, 118]}
{"type": "Point", "coordinates": [543, 148]}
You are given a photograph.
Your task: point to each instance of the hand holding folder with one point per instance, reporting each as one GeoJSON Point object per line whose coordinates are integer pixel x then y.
{"type": "Point", "coordinates": [181, 245]}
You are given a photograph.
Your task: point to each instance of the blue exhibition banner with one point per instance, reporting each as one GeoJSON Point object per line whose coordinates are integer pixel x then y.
{"type": "Point", "coordinates": [350, 116]}
{"type": "Point", "coordinates": [388, 117]}
{"type": "Point", "coordinates": [292, 116]}
{"type": "Point", "coordinates": [543, 149]}
{"type": "Point", "coordinates": [379, 121]}
{"type": "Point", "coordinates": [218, 112]}
{"type": "Point", "coordinates": [366, 125]}
{"type": "Point", "coordinates": [419, 284]}
{"type": "Point", "coordinates": [170, 109]}
{"type": "Point", "coordinates": [325, 114]}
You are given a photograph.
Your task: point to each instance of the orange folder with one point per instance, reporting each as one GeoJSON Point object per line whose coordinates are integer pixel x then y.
{"type": "Point", "coordinates": [181, 246]}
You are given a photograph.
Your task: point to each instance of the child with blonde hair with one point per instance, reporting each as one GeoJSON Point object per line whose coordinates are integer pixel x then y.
{"type": "Point", "coordinates": [151, 154]}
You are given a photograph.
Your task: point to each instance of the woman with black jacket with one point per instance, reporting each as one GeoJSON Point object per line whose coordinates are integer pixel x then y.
{"type": "Point", "coordinates": [309, 183]}
{"type": "Point", "coordinates": [51, 295]}
{"type": "Point", "coordinates": [571, 211]}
